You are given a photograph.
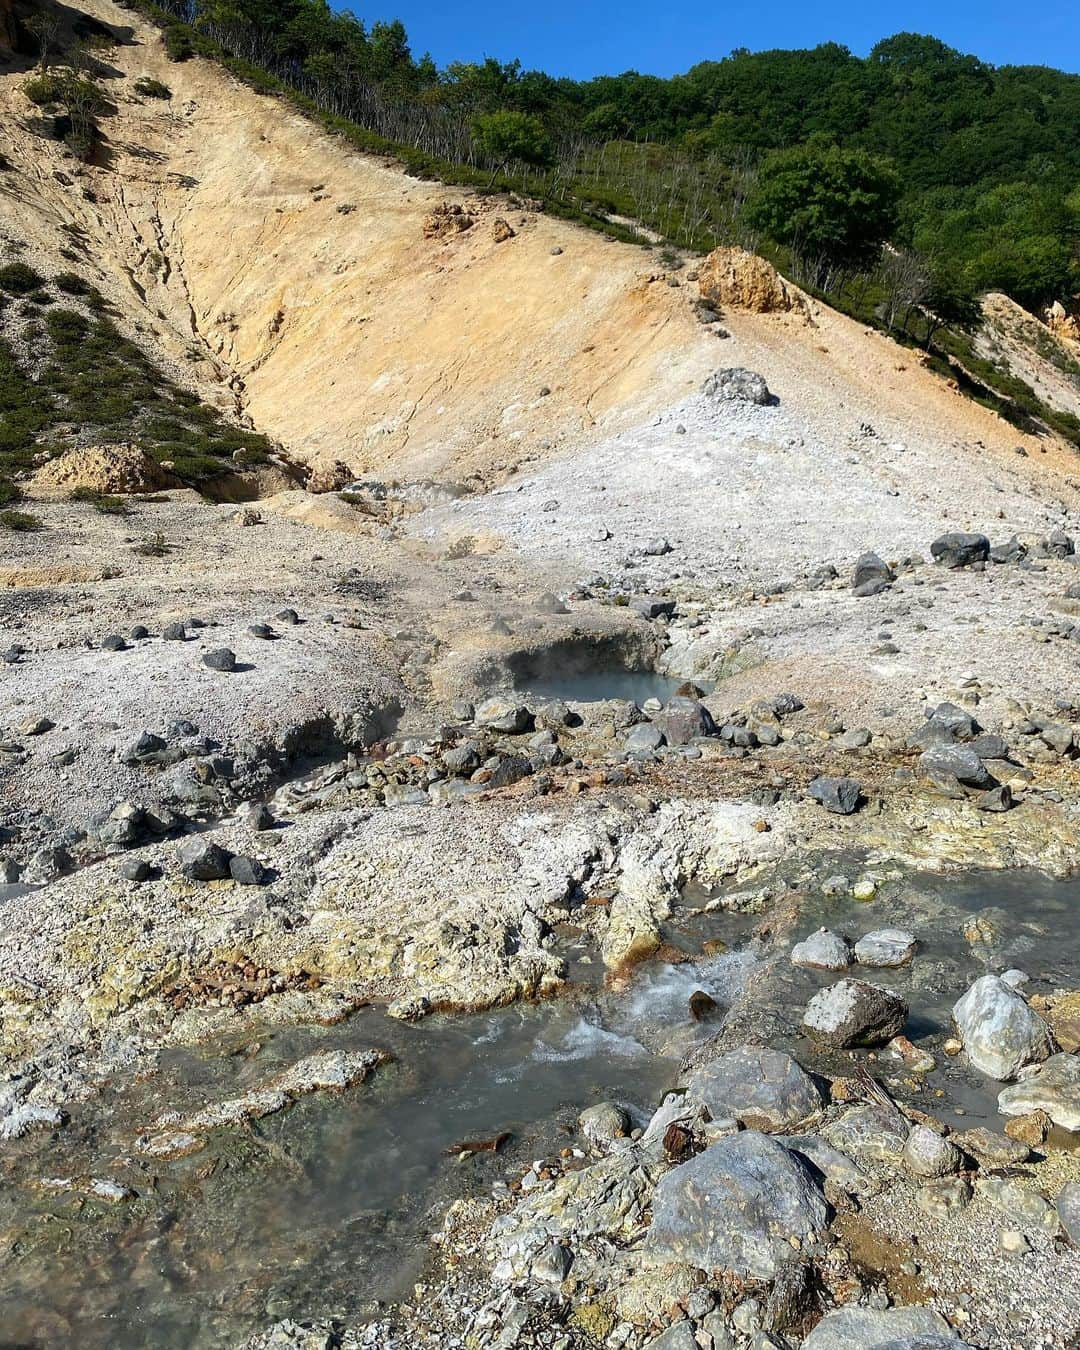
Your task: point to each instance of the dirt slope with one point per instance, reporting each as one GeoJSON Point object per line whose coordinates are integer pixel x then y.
{"type": "Point", "coordinates": [263, 254]}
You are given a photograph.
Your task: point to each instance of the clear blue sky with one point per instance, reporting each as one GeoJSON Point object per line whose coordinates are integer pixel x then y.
{"type": "Point", "coordinates": [664, 36]}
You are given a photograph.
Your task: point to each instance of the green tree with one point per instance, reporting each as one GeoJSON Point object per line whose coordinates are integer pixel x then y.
{"type": "Point", "coordinates": [833, 208]}
{"type": "Point", "coordinates": [502, 137]}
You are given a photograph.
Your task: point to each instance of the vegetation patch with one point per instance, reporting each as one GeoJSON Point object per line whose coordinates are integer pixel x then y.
{"type": "Point", "coordinates": [70, 376]}
{"type": "Point", "coordinates": [19, 522]}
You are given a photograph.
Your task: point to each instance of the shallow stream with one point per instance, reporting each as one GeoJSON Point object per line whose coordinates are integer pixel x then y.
{"type": "Point", "coordinates": [325, 1209]}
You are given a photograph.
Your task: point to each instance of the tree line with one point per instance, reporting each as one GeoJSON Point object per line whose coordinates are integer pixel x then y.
{"type": "Point", "coordinates": [969, 172]}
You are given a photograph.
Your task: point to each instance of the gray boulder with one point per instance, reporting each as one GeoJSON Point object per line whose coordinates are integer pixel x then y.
{"type": "Point", "coordinates": [221, 659]}
{"type": "Point", "coordinates": [644, 737]}
{"type": "Point", "coordinates": [737, 385]}
{"type": "Point", "coordinates": [736, 1207]}
{"type": "Point", "coordinates": [682, 720]}
{"type": "Point", "coordinates": [823, 950]}
{"type": "Point", "coordinates": [876, 1132]}
{"type": "Point", "coordinates": [958, 549]}
{"type": "Point", "coordinates": [1058, 544]}
{"type": "Point", "coordinates": [1054, 1088]}
{"type": "Point", "coordinates": [871, 575]}
{"type": "Point", "coordinates": [885, 1329]}
{"type": "Point", "coordinates": [1068, 1208]}
{"type": "Point", "coordinates": [841, 796]}
{"type": "Point", "coordinates": [503, 714]}
{"type": "Point", "coordinates": [652, 606]}
{"type": "Point", "coordinates": [885, 948]}
{"type": "Point", "coordinates": [929, 1154]}
{"type": "Point", "coordinates": [999, 1031]}
{"type": "Point", "coordinates": [763, 1089]}
{"type": "Point", "coordinates": [203, 860]}
{"type": "Point", "coordinates": [955, 761]}
{"type": "Point", "coordinates": [853, 1012]}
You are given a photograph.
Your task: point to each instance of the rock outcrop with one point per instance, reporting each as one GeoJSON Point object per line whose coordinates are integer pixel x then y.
{"type": "Point", "coordinates": [732, 278]}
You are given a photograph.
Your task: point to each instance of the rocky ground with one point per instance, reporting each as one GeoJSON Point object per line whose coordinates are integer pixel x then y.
{"type": "Point", "coordinates": [684, 623]}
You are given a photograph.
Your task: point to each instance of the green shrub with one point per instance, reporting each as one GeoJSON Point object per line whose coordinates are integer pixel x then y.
{"type": "Point", "coordinates": [145, 87]}
{"type": "Point", "coordinates": [178, 43]}
{"type": "Point", "coordinates": [19, 521]}
{"type": "Point", "coordinates": [8, 492]}
{"type": "Point", "coordinates": [101, 501]}
{"type": "Point", "coordinates": [18, 279]}
{"type": "Point", "coordinates": [72, 284]}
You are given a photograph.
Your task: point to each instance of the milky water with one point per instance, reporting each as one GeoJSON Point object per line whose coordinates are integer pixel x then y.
{"type": "Point", "coordinates": [596, 685]}
{"type": "Point", "coordinates": [325, 1210]}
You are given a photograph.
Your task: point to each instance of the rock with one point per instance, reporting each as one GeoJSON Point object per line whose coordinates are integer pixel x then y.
{"type": "Point", "coordinates": [885, 948]}
{"type": "Point", "coordinates": [288, 616]}
{"type": "Point", "coordinates": [682, 720]}
{"type": "Point", "coordinates": [853, 1012]}
{"type": "Point", "coordinates": [552, 715]}
{"type": "Point", "coordinates": [258, 816]}
{"type": "Point", "coordinates": [144, 749]}
{"type": "Point", "coordinates": [174, 632]}
{"type": "Point", "coordinates": [203, 860]}
{"type": "Point", "coordinates": [1019, 1203]}
{"type": "Point", "coordinates": [736, 1207]}
{"type": "Point", "coordinates": [854, 1328]}
{"type": "Point", "coordinates": [113, 643]}
{"type": "Point", "coordinates": [643, 738]}
{"type": "Point", "coordinates": [877, 1132]}
{"type": "Point", "coordinates": [928, 1154]}
{"type": "Point", "coordinates": [856, 739]}
{"type": "Point", "coordinates": [677, 1337]}
{"type": "Point", "coordinates": [941, 1198]}
{"type": "Point", "coordinates": [220, 658]}
{"type": "Point", "coordinates": [1030, 1128]}
{"type": "Point", "coordinates": [822, 950]}
{"type": "Point", "coordinates": [1058, 544]}
{"type": "Point", "coordinates": [871, 575]}
{"type": "Point", "coordinates": [1068, 1210]}
{"type": "Point", "coordinates": [134, 869]}
{"type": "Point", "coordinates": [652, 606]}
{"type": "Point", "coordinates": [762, 1089]}
{"type": "Point", "coordinates": [997, 799]}
{"type": "Point", "coordinates": [957, 549]}
{"type": "Point", "coordinates": [1053, 1088]}
{"type": "Point", "coordinates": [841, 796]}
{"type": "Point", "coordinates": [954, 761]}
{"type": "Point", "coordinates": [503, 714]}
{"type": "Point", "coordinates": [999, 1031]}
{"type": "Point", "coordinates": [603, 1123]}
{"type": "Point", "coordinates": [737, 385]}
{"type": "Point", "coordinates": [263, 631]}
{"type": "Point", "coordinates": [733, 278]}
{"type": "Point", "coordinates": [247, 871]}
{"type": "Point", "coordinates": [991, 1147]}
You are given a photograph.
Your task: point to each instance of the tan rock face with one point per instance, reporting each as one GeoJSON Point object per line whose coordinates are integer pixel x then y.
{"type": "Point", "coordinates": [732, 278]}
{"type": "Point", "coordinates": [448, 218]}
{"type": "Point", "coordinates": [102, 468]}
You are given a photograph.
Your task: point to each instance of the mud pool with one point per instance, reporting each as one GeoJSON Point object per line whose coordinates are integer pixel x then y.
{"type": "Point", "coordinates": [325, 1209]}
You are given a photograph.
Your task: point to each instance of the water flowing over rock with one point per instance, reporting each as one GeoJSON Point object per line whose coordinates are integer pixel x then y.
{"type": "Point", "coordinates": [737, 1206]}
{"type": "Point", "coordinates": [999, 1031]}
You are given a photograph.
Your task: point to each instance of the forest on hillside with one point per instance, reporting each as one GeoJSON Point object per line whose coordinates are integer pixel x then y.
{"type": "Point", "coordinates": [973, 170]}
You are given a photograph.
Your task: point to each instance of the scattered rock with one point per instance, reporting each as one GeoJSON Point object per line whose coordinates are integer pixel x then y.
{"type": "Point", "coordinates": [853, 1012]}
{"type": "Point", "coordinates": [841, 796]}
{"type": "Point", "coordinates": [737, 385]}
{"type": "Point", "coordinates": [999, 1031]}
{"type": "Point", "coordinates": [957, 549]}
{"type": "Point", "coordinates": [871, 576]}
{"type": "Point", "coordinates": [203, 860]}
{"type": "Point", "coordinates": [763, 1089]}
{"type": "Point", "coordinates": [1054, 1088]}
{"type": "Point", "coordinates": [823, 950]}
{"type": "Point", "coordinates": [928, 1154]}
{"type": "Point", "coordinates": [885, 948]}
{"type": "Point", "coordinates": [855, 1328]}
{"type": "Point", "coordinates": [737, 1206]}
{"type": "Point", "coordinates": [220, 658]}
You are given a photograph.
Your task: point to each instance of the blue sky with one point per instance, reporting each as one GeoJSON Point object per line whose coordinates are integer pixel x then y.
{"type": "Point", "coordinates": [665, 36]}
